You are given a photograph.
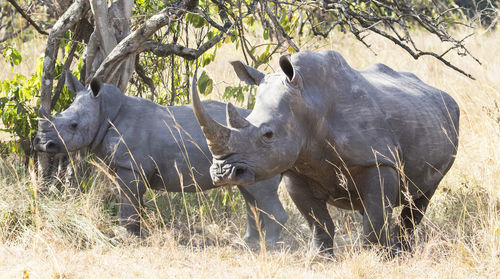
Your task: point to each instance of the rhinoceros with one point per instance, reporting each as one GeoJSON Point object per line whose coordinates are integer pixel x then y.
{"type": "Point", "coordinates": [365, 140]}
{"type": "Point", "coordinates": [149, 145]}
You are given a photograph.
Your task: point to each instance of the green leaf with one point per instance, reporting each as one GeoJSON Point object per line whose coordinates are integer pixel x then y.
{"type": "Point", "coordinates": [210, 35]}
{"type": "Point", "coordinates": [207, 58]}
{"type": "Point", "coordinates": [12, 56]}
{"type": "Point", "coordinates": [228, 93]}
{"type": "Point", "coordinates": [205, 84]}
{"type": "Point", "coordinates": [196, 20]}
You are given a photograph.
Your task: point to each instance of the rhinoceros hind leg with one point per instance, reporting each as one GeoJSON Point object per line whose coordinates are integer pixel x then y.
{"type": "Point", "coordinates": [379, 190]}
{"type": "Point", "coordinates": [410, 217]}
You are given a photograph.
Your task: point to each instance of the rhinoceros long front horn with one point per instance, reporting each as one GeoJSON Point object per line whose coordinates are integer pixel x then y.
{"type": "Point", "coordinates": [217, 135]}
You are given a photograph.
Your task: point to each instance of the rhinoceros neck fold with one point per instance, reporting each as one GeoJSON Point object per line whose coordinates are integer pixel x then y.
{"type": "Point", "coordinates": [101, 133]}
{"type": "Point", "coordinates": [110, 106]}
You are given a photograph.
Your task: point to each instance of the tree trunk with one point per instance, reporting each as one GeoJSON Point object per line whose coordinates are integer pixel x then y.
{"type": "Point", "coordinates": [112, 24]}
{"type": "Point", "coordinates": [72, 15]}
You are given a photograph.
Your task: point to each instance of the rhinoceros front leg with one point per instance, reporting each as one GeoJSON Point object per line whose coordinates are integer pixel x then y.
{"type": "Point", "coordinates": [263, 197]}
{"type": "Point", "coordinates": [379, 190]}
{"type": "Point", "coordinates": [313, 209]}
{"type": "Point", "coordinates": [131, 191]}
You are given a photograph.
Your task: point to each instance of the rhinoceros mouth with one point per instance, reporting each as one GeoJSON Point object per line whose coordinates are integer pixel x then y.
{"type": "Point", "coordinates": [231, 174]}
{"type": "Point", "coordinates": [46, 145]}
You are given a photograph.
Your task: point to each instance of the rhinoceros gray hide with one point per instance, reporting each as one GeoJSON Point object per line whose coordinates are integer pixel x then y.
{"type": "Point", "coordinates": [149, 145]}
{"type": "Point", "coordinates": [366, 140]}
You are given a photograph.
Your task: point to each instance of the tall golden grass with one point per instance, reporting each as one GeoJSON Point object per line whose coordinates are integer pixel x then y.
{"type": "Point", "coordinates": [60, 235]}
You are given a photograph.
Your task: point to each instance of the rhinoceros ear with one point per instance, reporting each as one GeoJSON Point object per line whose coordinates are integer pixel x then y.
{"type": "Point", "coordinates": [287, 68]}
{"type": "Point", "coordinates": [73, 84]}
{"type": "Point", "coordinates": [96, 85]}
{"type": "Point", "coordinates": [246, 73]}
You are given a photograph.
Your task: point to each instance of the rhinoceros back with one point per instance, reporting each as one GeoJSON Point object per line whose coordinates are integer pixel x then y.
{"type": "Point", "coordinates": [424, 120]}
{"type": "Point", "coordinates": [166, 143]}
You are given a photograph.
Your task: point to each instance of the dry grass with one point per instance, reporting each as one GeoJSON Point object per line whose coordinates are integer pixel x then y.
{"type": "Point", "coordinates": [64, 236]}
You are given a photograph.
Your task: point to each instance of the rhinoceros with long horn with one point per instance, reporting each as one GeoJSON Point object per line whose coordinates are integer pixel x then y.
{"type": "Point", "coordinates": [367, 140]}
{"type": "Point", "coordinates": [149, 145]}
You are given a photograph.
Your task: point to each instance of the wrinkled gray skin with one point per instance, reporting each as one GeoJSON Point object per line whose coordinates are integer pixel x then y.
{"type": "Point", "coordinates": [164, 142]}
{"type": "Point", "coordinates": [339, 135]}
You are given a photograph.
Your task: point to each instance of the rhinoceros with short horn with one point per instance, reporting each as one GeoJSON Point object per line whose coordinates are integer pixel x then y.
{"type": "Point", "coordinates": [366, 140]}
{"type": "Point", "coordinates": [148, 144]}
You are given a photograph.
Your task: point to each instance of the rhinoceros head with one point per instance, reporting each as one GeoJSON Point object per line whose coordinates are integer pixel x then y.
{"type": "Point", "coordinates": [75, 127]}
{"type": "Point", "coordinates": [268, 141]}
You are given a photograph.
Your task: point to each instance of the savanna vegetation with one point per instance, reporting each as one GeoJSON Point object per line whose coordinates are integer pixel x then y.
{"type": "Point", "coordinates": [67, 227]}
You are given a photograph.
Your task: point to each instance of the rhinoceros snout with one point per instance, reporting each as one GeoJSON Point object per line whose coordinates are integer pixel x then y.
{"type": "Point", "coordinates": [223, 173]}
{"type": "Point", "coordinates": [36, 141]}
{"type": "Point", "coordinates": [45, 146]}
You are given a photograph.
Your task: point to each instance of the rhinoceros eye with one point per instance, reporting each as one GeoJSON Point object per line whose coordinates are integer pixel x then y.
{"type": "Point", "coordinates": [73, 125]}
{"type": "Point", "coordinates": [267, 135]}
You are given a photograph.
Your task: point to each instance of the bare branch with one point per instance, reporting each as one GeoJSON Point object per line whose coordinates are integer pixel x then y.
{"type": "Point", "coordinates": [278, 26]}
{"type": "Point", "coordinates": [142, 74]}
{"type": "Point", "coordinates": [27, 17]}
{"type": "Point", "coordinates": [61, 81]}
{"type": "Point", "coordinates": [10, 35]}
{"type": "Point", "coordinates": [390, 19]}
{"type": "Point", "coordinates": [418, 54]}
{"type": "Point", "coordinates": [207, 17]}
{"type": "Point", "coordinates": [74, 14]}
{"type": "Point", "coordinates": [164, 50]}
{"type": "Point", "coordinates": [130, 45]}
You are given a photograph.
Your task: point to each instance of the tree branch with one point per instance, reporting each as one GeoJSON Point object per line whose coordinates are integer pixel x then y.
{"type": "Point", "coordinates": [164, 50]}
{"type": "Point", "coordinates": [74, 14]}
{"type": "Point", "coordinates": [391, 20]}
{"type": "Point", "coordinates": [27, 17]}
{"type": "Point", "coordinates": [131, 44]}
{"type": "Point", "coordinates": [278, 26]}
{"type": "Point", "coordinates": [10, 35]}
{"type": "Point", "coordinates": [142, 74]}
{"type": "Point", "coordinates": [61, 81]}
{"type": "Point", "coordinates": [418, 54]}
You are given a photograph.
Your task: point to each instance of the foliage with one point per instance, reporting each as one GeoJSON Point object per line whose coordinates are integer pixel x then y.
{"type": "Point", "coordinates": [278, 23]}
{"type": "Point", "coordinates": [165, 79]}
{"type": "Point", "coordinates": [12, 55]}
{"type": "Point", "coordinates": [205, 84]}
{"type": "Point", "coordinates": [19, 100]}
{"type": "Point", "coordinates": [172, 72]}
{"type": "Point", "coordinates": [238, 93]}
